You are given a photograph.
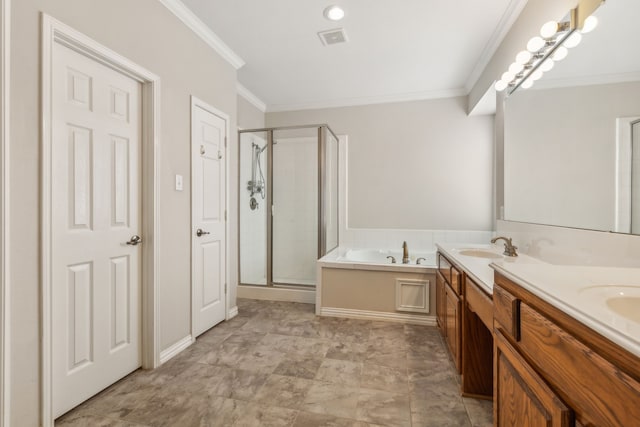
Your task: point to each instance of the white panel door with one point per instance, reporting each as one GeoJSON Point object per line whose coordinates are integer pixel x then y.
{"type": "Point", "coordinates": [208, 174]}
{"type": "Point", "coordinates": [95, 191]}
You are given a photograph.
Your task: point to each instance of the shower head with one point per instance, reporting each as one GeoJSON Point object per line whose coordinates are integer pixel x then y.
{"type": "Point", "coordinates": [257, 147]}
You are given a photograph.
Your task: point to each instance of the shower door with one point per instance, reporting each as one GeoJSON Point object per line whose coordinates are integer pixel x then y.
{"type": "Point", "coordinates": [288, 203]}
{"type": "Point", "coordinates": [253, 207]}
{"type": "Point", "coordinates": [295, 206]}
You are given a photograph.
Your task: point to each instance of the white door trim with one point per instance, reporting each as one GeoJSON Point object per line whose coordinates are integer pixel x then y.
{"type": "Point", "coordinates": [54, 31]}
{"type": "Point", "coordinates": [196, 102]}
{"type": "Point", "coordinates": [5, 24]}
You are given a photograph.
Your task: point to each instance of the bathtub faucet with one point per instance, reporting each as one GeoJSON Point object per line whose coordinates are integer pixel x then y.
{"type": "Point", "coordinates": [405, 253]}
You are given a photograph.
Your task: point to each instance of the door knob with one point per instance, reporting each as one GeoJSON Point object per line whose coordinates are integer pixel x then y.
{"type": "Point", "coordinates": [200, 232]}
{"type": "Point", "coordinates": [135, 240]}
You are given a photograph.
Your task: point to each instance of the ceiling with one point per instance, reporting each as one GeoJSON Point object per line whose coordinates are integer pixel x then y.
{"type": "Point", "coordinates": [396, 50]}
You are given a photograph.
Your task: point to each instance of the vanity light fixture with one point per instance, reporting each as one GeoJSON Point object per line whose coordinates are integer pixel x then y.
{"type": "Point", "coordinates": [551, 46]}
{"type": "Point", "coordinates": [334, 13]}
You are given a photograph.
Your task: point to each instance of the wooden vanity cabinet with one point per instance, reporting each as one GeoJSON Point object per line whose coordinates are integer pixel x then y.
{"type": "Point", "coordinates": [449, 306]}
{"type": "Point", "coordinates": [453, 325]}
{"type": "Point", "coordinates": [556, 370]}
{"type": "Point", "coordinates": [440, 301]}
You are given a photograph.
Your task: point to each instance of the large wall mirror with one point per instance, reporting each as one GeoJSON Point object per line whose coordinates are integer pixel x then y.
{"type": "Point", "coordinates": [572, 141]}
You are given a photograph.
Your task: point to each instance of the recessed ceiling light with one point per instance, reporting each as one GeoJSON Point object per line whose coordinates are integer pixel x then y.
{"type": "Point", "coordinates": [334, 13]}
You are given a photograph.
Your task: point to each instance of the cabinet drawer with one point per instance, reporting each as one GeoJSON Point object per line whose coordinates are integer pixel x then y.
{"type": "Point", "coordinates": [599, 393]}
{"type": "Point", "coordinates": [479, 302]}
{"type": "Point", "coordinates": [506, 309]}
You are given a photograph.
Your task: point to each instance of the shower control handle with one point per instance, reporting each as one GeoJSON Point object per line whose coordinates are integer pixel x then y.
{"type": "Point", "coordinates": [200, 232]}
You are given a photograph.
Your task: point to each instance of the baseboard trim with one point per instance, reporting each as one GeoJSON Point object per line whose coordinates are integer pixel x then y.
{"type": "Point", "coordinates": [413, 319]}
{"type": "Point", "coordinates": [175, 349]}
{"type": "Point", "coordinates": [233, 312]}
{"type": "Point", "coordinates": [277, 294]}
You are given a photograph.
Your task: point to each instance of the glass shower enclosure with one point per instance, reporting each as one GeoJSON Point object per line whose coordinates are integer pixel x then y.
{"type": "Point", "coordinates": [288, 203]}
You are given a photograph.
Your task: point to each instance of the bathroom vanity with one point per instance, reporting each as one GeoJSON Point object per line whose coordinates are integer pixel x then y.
{"type": "Point", "coordinates": [539, 339]}
{"type": "Point", "coordinates": [554, 368]}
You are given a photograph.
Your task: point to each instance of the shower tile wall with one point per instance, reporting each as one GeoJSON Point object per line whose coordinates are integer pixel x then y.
{"type": "Point", "coordinates": [253, 223]}
{"type": "Point", "coordinates": [295, 220]}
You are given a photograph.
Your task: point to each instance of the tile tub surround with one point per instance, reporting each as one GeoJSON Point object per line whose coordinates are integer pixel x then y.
{"type": "Point", "coordinates": [417, 240]}
{"type": "Point", "coordinates": [277, 364]}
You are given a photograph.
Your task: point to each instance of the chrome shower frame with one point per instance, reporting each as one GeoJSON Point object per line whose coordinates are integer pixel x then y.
{"type": "Point", "coordinates": [323, 131]}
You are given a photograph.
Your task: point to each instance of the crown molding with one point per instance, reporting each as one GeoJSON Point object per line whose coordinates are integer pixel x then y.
{"type": "Point", "coordinates": [369, 100]}
{"type": "Point", "coordinates": [506, 22]}
{"type": "Point", "coordinates": [201, 29]}
{"type": "Point", "coordinates": [251, 97]}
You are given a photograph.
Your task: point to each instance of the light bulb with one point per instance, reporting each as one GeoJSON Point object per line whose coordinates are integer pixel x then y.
{"type": "Point", "coordinates": [560, 53]}
{"type": "Point", "coordinates": [549, 29]}
{"type": "Point", "coordinates": [535, 44]}
{"type": "Point", "coordinates": [573, 40]}
{"type": "Point", "coordinates": [515, 68]}
{"type": "Point", "coordinates": [526, 84]}
{"type": "Point", "coordinates": [589, 24]}
{"type": "Point", "coordinates": [334, 13]}
{"type": "Point", "coordinates": [523, 57]}
{"type": "Point", "coordinates": [501, 85]}
{"type": "Point", "coordinates": [507, 76]}
{"type": "Point", "coordinates": [536, 75]}
{"type": "Point", "coordinates": [547, 65]}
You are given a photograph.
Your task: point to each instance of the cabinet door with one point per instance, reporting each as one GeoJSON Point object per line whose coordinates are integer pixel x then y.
{"type": "Point", "coordinates": [440, 303]}
{"type": "Point", "coordinates": [453, 324]}
{"type": "Point", "coordinates": [521, 397]}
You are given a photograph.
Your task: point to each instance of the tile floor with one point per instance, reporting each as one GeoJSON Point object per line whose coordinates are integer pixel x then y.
{"type": "Point", "coordinates": [277, 364]}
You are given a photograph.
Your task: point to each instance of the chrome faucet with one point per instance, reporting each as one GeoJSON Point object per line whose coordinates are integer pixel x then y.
{"type": "Point", "coordinates": [405, 253]}
{"type": "Point", "coordinates": [509, 249]}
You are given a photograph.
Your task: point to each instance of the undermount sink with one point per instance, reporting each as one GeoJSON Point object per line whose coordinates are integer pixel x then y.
{"type": "Point", "coordinates": [622, 300]}
{"type": "Point", "coordinates": [479, 253]}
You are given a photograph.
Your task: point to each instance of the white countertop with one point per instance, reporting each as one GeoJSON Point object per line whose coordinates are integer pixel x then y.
{"type": "Point", "coordinates": [478, 268]}
{"type": "Point", "coordinates": [580, 291]}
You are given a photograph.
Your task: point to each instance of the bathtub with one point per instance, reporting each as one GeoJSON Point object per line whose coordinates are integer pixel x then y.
{"type": "Point", "coordinates": [365, 284]}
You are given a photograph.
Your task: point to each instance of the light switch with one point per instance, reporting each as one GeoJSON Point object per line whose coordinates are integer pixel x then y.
{"type": "Point", "coordinates": [178, 182]}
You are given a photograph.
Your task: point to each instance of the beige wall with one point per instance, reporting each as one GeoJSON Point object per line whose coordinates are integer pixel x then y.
{"type": "Point", "coordinates": [412, 165]}
{"type": "Point", "coordinates": [148, 34]}
{"type": "Point", "coordinates": [249, 116]}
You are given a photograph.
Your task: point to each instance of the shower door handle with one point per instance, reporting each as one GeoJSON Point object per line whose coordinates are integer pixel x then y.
{"type": "Point", "coordinates": [200, 232]}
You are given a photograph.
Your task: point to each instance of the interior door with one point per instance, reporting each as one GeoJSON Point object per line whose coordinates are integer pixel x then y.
{"type": "Point", "coordinates": [95, 247]}
{"type": "Point", "coordinates": [208, 180]}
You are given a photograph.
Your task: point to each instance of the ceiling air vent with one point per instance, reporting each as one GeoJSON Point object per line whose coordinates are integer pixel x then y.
{"type": "Point", "coordinates": [335, 36]}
